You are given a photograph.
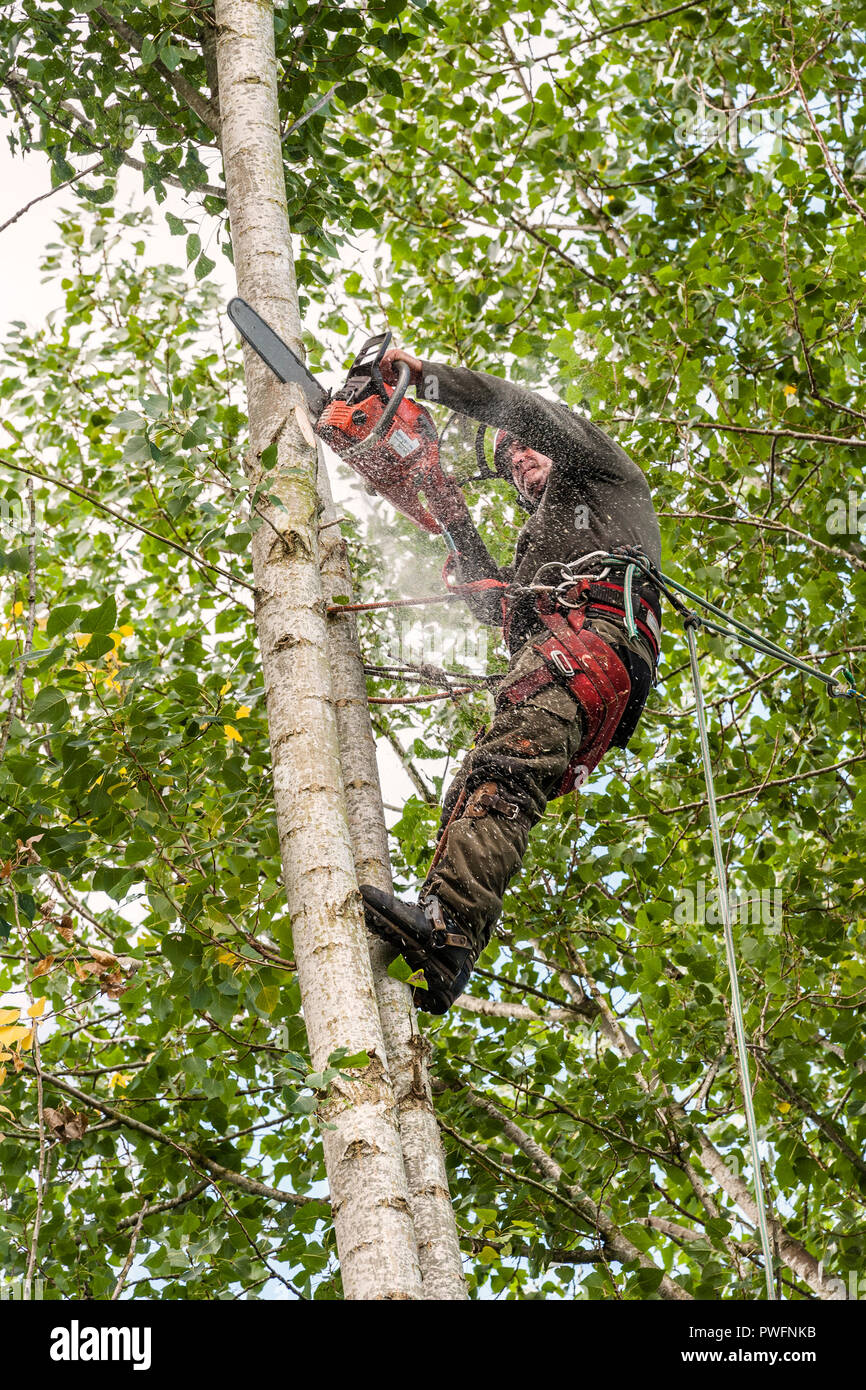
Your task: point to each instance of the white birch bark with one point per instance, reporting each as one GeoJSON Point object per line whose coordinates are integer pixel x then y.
{"type": "Point", "coordinates": [429, 1197]}
{"type": "Point", "coordinates": [363, 1155]}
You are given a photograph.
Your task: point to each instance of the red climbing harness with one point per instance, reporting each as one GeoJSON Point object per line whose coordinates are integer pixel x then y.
{"type": "Point", "coordinates": [594, 675]}
{"type": "Point", "coordinates": [593, 672]}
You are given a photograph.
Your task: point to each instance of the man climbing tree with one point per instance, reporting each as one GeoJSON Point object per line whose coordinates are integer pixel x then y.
{"type": "Point", "coordinates": [583, 645]}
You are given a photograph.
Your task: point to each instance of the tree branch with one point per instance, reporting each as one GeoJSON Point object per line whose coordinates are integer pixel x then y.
{"type": "Point", "coordinates": [239, 1180]}
{"type": "Point", "coordinates": [207, 113]}
{"type": "Point", "coordinates": [56, 189]}
{"type": "Point", "coordinates": [620, 1247]}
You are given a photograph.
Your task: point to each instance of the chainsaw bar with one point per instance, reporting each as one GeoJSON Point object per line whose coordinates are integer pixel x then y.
{"type": "Point", "coordinates": [276, 354]}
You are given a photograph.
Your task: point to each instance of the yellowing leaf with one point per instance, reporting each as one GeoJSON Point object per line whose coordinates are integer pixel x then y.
{"type": "Point", "coordinates": [8, 1036]}
{"type": "Point", "coordinates": [126, 630]}
{"type": "Point", "coordinates": [232, 733]}
{"type": "Point", "coordinates": [37, 1008]}
{"type": "Point", "coordinates": [790, 390]}
{"type": "Point", "coordinates": [7, 1111]}
{"type": "Point", "coordinates": [17, 609]}
{"type": "Point", "coordinates": [8, 1016]}
{"type": "Point", "coordinates": [784, 1107]}
{"type": "Point", "coordinates": [42, 623]}
{"type": "Point", "coordinates": [42, 966]}
{"type": "Point", "coordinates": [27, 1043]}
{"type": "Point", "coordinates": [226, 688]}
{"type": "Point", "coordinates": [2, 1075]}
{"type": "Point", "coordinates": [242, 712]}
{"type": "Point", "coordinates": [226, 957]}
{"type": "Point", "coordinates": [119, 1078]}
{"type": "Point", "coordinates": [82, 638]}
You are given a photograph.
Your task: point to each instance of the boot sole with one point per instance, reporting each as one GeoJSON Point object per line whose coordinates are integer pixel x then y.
{"type": "Point", "coordinates": [438, 997]}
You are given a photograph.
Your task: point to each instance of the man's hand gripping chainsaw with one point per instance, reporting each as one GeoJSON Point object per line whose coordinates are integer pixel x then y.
{"type": "Point", "coordinates": [391, 441]}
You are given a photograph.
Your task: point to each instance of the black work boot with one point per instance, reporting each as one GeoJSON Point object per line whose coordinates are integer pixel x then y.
{"type": "Point", "coordinates": [429, 940]}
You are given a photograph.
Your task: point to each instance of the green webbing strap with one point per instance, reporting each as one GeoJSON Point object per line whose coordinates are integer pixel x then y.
{"type": "Point", "coordinates": [628, 598]}
{"type": "Point", "coordinates": [743, 633]}
{"type": "Point", "coordinates": [736, 1004]}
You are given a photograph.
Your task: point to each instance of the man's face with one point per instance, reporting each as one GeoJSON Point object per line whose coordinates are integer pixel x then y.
{"type": "Point", "coordinates": [529, 470]}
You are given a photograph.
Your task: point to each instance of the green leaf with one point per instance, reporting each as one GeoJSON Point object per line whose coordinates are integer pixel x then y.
{"type": "Point", "coordinates": [99, 645]}
{"type": "Point", "coordinates": [356, 1059]}
{"type": "Point", "coordinates": [50, 706]}
{"type": "Point", "coordinates": [172, 56]}
{"type": "Point", "coordinates": [101, 619]}
{"type": "Point", "coordinates": [399, 969]}
{"type": "Point", "coordinates": [27, 906]}
{"type": "Point", "coordinates": [62, 618]}
{"type": "Point", "coordinates": [389, 80]}
{"type": "Point", "coordinates": [203, 267]}
{"type": "Point", "coordinates": [268, 998]}
{"type": "Point", "coordinates": [126, 419]}
{"type": "Point", "coordinates": [350, 93]}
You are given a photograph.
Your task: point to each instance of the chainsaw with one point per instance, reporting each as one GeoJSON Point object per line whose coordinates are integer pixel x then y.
{"type": "Point", "coordinates": [390, 441]}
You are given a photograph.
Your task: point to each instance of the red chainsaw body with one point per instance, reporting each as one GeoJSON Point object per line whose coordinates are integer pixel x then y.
{"type": "Point", "coordinates": [395, 465]}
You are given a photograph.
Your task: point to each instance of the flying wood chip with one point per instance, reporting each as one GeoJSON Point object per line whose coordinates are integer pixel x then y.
{"type": "Point", "coordinates": [305, 425]}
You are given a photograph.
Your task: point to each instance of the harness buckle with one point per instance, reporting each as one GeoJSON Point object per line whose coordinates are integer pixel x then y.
{"type": "Point", "coordinates": [561, 662]}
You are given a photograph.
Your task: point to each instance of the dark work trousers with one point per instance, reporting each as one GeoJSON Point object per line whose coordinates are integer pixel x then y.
{"type": "Point", "coordinates": [501, 791]}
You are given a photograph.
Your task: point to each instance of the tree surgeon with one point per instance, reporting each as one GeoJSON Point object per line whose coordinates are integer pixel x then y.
{"type": "Point", "coordinates": [582, 659]}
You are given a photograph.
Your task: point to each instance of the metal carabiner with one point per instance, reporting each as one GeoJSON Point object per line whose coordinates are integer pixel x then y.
{"type": "Point", "coordinates": [837, 691]}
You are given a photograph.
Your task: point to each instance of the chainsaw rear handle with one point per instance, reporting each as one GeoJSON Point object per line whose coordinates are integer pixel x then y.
{"type": "Point", "coordinates": [404, 376]}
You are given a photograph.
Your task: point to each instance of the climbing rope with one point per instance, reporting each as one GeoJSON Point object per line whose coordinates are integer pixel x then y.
{"type": "Point", "coordinates": [736, 1003]}
{"type": "Point", "coordinates": [634, 564]}
{"type": "Point", "coordinates": [738, 630]}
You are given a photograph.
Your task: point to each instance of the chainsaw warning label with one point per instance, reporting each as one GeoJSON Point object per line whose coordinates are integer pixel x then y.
{"type": "Point", "coordinates": [402, 444]}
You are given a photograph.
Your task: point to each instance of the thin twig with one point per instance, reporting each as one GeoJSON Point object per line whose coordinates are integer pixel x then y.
{"type": "Point", "coordinates": [56, 189]}
{"type": "Point", "coordinates": [121, 1278]}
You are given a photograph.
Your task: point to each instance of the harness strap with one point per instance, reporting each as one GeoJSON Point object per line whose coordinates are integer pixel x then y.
{"type": "Point", "coordinates": [643, 628]}
{"type": "Point", "coordinates": [440, 848]}
{"type": "Point", "coordinates": [607, 597]}
{"type": "Point", "coordinates": [597, 677]}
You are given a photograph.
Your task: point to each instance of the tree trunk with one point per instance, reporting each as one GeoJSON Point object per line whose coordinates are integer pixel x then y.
{"type": "Point", "coordinates": [430, 1200]}
{"type": "Point", "coordinates": [363, 1155]}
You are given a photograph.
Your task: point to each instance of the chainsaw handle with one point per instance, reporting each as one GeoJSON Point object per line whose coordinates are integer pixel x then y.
{"type": "Point", "coordinates": [404, 377]}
